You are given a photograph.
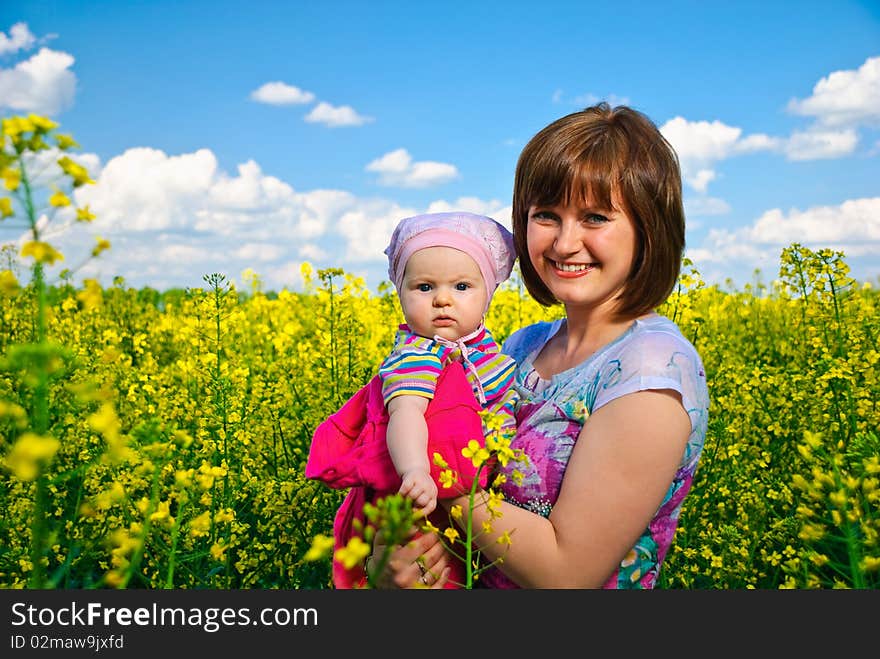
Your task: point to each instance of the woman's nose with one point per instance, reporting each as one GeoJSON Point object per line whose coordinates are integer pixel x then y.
{"type": "Point", "coordinates": [567, 238]}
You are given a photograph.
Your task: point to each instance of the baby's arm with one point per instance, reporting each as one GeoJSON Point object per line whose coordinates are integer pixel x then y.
{"type": "Point", "coordinates": [407, 438]}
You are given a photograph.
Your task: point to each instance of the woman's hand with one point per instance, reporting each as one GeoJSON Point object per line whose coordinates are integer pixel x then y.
{"type": "Point", "coordinates": [421, 562]}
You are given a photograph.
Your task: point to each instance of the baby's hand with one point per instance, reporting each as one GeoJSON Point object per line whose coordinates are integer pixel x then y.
{"type": "Point", "coordinates": [421, 488]}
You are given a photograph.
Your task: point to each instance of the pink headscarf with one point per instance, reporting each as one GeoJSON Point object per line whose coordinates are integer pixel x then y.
{"type": "Point", "coordinates": [483, 239]}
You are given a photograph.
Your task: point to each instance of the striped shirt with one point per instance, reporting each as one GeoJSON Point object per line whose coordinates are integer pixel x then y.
{"type": "Point", "coordinates": [415, 363]}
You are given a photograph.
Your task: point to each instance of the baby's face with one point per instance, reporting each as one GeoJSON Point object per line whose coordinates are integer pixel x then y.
{"type": "Point", "coordinates": [443, 293]}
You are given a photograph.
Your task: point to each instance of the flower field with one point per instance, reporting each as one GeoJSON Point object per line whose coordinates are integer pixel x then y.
{"type": "Point", "coordinates": [178, 424]}
{"type": "Point", "coordinates": [157, 439]}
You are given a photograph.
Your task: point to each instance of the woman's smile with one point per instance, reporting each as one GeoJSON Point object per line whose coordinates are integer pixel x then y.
{"type": "Point", "coordinates": [571, 270]}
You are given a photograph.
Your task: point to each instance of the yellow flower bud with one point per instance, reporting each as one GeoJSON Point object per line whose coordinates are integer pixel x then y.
{"type": "Point", "coordinates": [29, 454]}
{"type": "Point", "coordinates": [103, 244]}
{"type": "Point", "coordinates": [59, 199]}
{"type": "Point", "coordinates": [41, 252]}
{"type": "Point", "coordinates": [84, 214]}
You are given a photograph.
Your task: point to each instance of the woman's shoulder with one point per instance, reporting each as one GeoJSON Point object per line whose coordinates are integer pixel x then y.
{"type": "Point", "coordinates": [653, 349]}
{"type": "Point", "coordinates": [658, 335]}
{"type": "Point", "coordinates": [655, 355]}
{"type": "Point", "coordinates": [527, 339]}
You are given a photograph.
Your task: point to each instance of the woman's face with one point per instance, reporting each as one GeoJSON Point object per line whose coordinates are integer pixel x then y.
{"type": "Point", "coordinates": [443, 293]}
{"type": "Point", "coordinates": [582, 254]}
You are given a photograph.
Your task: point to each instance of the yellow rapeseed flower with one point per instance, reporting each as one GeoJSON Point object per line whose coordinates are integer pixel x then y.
{"type": "Point", "coordinates": [65, 142]}
{"type": "Point", "coordinates": [29, 454]}
{"type": "Point", "coordinates": [428, 527]}
{"type": "Point", "coordinates": [59, 199]}
{"type": "Point", "coordinates": [353, 553]}
{"type": "Point", "coordinates": [448, 478]}
{"type": "Point", "coordinates": [41, 252]}
{"type": "Point", "coordinates": [162, 514]}
{"type": "Point", "coordinates": [41, 123]}
{"type": "Point", "coordinates": [870, 563]}
{"type": "Point", "coordinates": [10, 410]}
{"type": "Point", "coordinates": [91, 296]}
{"type": "Point", "coordinates": [201, 525]}
{"type": "Point", "coordinates": [11, 178]}
{"type": "Point", "coordinates": [84, 214]}
{"type": "Point", "coordinates": [183, 478]}
{"type": "Point", "coordinates": [8, 282]}
{"type": "Point", "coordinates": [321, 546]}
{"type": "Point", "coordinates": [477, 454]}
{"type": "Point", "coordinates": [812, 532]}
{"type": "Point", "coordinates": [218, 551]}
{"type": "Point", "coordinates": [6, 207]}
{"type": "Point", "coordinates": [105, 421]}
{"type": "Point", "coordinates": [15, 126]}
{"type": "Point", "coordinates": [77, 172]}
{"type": "Point", "coordinates": [451, 534]}
{"type": "Point", "coordinates": [225, 515]}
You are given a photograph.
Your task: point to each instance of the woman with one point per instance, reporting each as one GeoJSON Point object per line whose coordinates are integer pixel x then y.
{"type": "Point", "coordinates": [614, 403]}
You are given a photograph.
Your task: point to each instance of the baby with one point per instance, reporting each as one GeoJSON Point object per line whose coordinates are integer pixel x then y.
{"type": "Point", "coordinates": [445, 267]}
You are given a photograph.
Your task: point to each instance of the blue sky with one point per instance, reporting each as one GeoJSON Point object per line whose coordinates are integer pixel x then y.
{"type": "Point", "coordinates": [232, 135]}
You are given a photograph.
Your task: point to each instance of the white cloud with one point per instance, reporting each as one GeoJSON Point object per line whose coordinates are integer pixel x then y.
{"type": "Point", "coordinates": [42, 84]}
{"type": "Point", "coordinates": [725, 247]}
{"type": "Point", "coordinates": [20, 38]}
{"type": "Point", "coordinates": [286, 275]}
{"type": "Point", "coordinates": [852, 227]}
{"type": "Point", "coordinates": [703, 206]}
{"type": "Point", "coordinates": [396, 168]}
{"type": "Point", "coordinates": [329, 115]}
{"type": "Point", "coordinates": [312, 252]}
{"type": "Point", "coordinates": [815, 144]}
{"type": "Point", "coordinates": [259, 252]}
{"type": "Point", "coordinates": [171, 219]}
{"type": "Point", "coordinates": [42, 168]}
{"type": "Point", "coordinates": [178, 253]}
{"type": "Point", "coordinates": [855, 222]}
{"type": "Point", "coordinates": [700, 144]}
{"type": "Point", "coordinates": [845, 98]}
{"type": "Point", "coordinates": [280, 93]}
{"type": "Point", "coordinates": [146, 190]}
{"type": "Point", "coordinates": [367, 228]}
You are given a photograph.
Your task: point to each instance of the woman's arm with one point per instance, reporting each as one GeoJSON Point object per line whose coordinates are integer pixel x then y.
{"type": "Point", "coordinates": [621, 467]}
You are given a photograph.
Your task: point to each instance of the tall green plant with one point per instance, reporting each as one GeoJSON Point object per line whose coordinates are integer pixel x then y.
{"type": "Point", "coordinates": [38, 179]}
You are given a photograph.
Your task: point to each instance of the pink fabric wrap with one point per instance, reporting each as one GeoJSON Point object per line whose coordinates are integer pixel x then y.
{"type": "Point", "coordinates": [348, 450]}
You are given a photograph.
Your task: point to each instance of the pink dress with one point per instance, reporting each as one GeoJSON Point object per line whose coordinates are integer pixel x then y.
{"type": "Point", "coordinates": [348, 451]}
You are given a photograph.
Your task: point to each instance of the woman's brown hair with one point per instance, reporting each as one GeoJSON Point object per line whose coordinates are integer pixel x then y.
{"type": "Point", "coordinates": [597, 155]}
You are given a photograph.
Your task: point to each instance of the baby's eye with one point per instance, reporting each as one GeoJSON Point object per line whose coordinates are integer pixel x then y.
{"type": "Point", "coordinates": [424, 288]}
{"type": "Point", "coordinates": [462, 286]}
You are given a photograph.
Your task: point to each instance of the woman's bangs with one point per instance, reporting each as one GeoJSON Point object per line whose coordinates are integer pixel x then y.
{"type": "Point", "coordinates": [590, 184]}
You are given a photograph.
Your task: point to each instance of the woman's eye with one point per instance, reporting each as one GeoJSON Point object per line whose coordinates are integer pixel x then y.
{"type": "Point", "coordinates": [596, 218]}
{"type": "Point", "coordinates": [543, 216]}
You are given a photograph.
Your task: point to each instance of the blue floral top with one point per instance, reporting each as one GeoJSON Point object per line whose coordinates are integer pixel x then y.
{"type": "Point", "coordinates": [651, 354]}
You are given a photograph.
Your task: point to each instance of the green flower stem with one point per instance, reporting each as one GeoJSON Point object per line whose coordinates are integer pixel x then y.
{"type": "Point", "coordinates": [40, 403]}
